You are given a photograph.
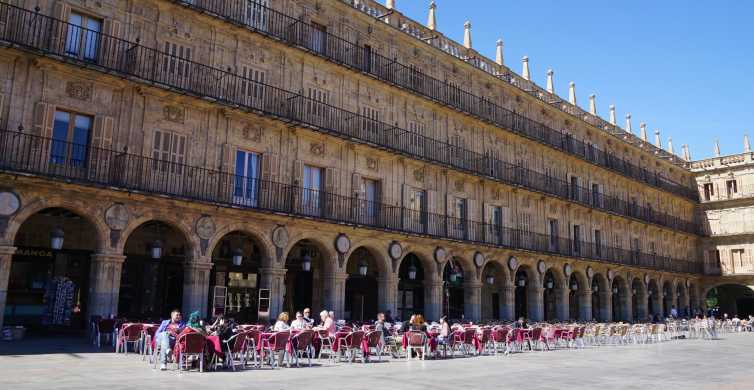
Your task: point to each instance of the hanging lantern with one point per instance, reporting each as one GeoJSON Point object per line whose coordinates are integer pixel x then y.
{"type": "Point", "coordinates": [412, 272]}
{"type": "Point", "coordinates": [363, 268]}
{"type": "Point", "coordinates": [453, 276]}
{"type": "Point", "coordinates": [56, 238]}
{"type": "Point", "coordinates": [521, 282]}
{"type": "Point", "coordinates": [574, 286]}
{"type": "Point", "coordinates": [306, 263]}
{"type": "Point", "coordinates": [633, 291]}
{"type": "Point", "coordinates": [595, 288]}
{"type": "Point", "coordinates": [156, 249]}
{"type": "Point", "coordinates": [490, 278]}
{"type": "Point", "coordinates": [237, 256]}
{"type": "Point", "coordinates": [615, 290]}
{"type": "Point", "coordinates": [549, 284]}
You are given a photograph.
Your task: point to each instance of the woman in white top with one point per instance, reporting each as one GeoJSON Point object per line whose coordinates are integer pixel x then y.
{"type": "Point", "coordinates": [282, 322]}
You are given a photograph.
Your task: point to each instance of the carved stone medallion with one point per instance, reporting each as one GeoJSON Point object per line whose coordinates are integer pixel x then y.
{"type": "Point", "coordinates": [205, 227]}
{"type": "Point", "coordinates": [9, 203]}
{"type": "Point", "coordinates": [280, 236]}
{"type": "Point", "coordinates": [174, 113]}
{"type": "Point", "coordinates": [117, 216]}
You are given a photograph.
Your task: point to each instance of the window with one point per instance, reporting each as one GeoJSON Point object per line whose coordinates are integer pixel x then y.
{"type": "Point", "coordinates": [461, 214]}
{"type": "Point", "coordinates": [82, 38]}
{"type": "Point", "coordinates": [457, 149]}
{"type": "Point", "coordinates": [416, 206]}
{"type": "Point", "coordinates": [709, 191]}
{"type": "Point", "coordinates": [317, 103]}
{"type": "Point", "coordinates": [714, 258]}
{"type": "Point", "coordinates": [256, 13]}
{"type": "Point", "coordinates": [598, 242]}
{"type": "Point", "coordinates": [370, 189]}
{"type": "Point", "coordinates": [576, 239]}
{"type": "Point", "coordinates": [370, 124]}
{"type": "Point", "coordinates": [70, 138]}
{"type": "Point", "coordinates": [596, 195]}
{"type": "Point", "coordinates": [554, 235]}
{"type": "Point", "coordinates": [318, 38]}
{"type": "Point", "coordinates": [417, 132]}
{"type": "Point", "coordinates": [574, 188]}
{"type": "Point", "coordinates": [367, 60]}
{"type": "Point", "coordinates": [178, 62]}
{"type": "Point", "coordinates": [731, 187]}
{"type": "Point", "coordinates": [168, 152]}
{"type": "Point", "coordinates": [652, 249]}
{"type": "Point", "coordinates": [416, 78]}
{"type": "Point", "coordinates": [635, 248]}
{"type": "Point", "coordinates": [312, 189]}
{"type": "Point", "coordinates": [495, 221]}
{"type": "Point", "coordinates": [252, 86]}
{"type": "Point", "coordinates": [737, 255]}
{"type": "Point", "coordinates": [247, 178]}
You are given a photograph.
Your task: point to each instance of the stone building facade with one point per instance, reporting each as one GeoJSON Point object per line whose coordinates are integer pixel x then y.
{"type": "Point", "coordinates": [257, 156]}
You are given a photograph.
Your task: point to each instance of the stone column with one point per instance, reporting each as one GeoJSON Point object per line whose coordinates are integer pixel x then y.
{"type": "Point", "coordinates": [432, 300]}
{"type": "Point", "coordinates": [685, 302]}
{"type": "Point", "coordinates": [562, 303]}
{"type": "Point", "coordinates": [585, 304]}
{"type": "Point", "coordinates": [472, 300]}
{"type": "Point", "coordinates": [196, 287]}
{"type": "Point", "coordinates": [624, 305]}
{"type": "Point", "coordinates": [6, 256]}
{"type": "Point", "coordinates": [335, 292]}
{"type": "Point", "coordinates": [536, 303]}
{"type": "Point", "coordinates": [388, 293]}
{"type": "Point", "coordinates": [104, 284]}
{"type": "Point", "coordinates": [641, 307]}
{"type": "Point", "coordinates": [606, 305]}
{"type": "Point", "coordinates": [274, 280]}
{"type": "Point", "coordinates": [508, 309]}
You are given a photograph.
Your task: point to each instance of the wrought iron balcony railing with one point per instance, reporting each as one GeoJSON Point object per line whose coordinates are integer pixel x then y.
{"type": "Point", "coordinates": [42, 34]}
{"type": "Point", "coordinates": [23, 153]}
{"type": "Point", "coordinates": [267, 21]}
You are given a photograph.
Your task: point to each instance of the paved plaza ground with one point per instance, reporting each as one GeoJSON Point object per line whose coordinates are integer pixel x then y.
{"type": "Point", "coordinates": [685, 364]}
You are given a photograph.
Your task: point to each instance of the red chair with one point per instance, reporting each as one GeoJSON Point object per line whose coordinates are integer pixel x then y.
{"type": "Point", "coordinates": [147, 337]}
{"type": "Point", "coordinates": [485, 341]}
{"type": "Point", "coordinates": [275, 344]}
{"type": "Point", "coordinates": [535, 335]}
{"type": "Point", "coordinates": [500, 338]}
{"type": "Point", "coordinates": [468, 341]}
{"type": "Point", "coordinates": [130, 333]}
{"type": "Point", "coordinates": [105, 327]}
{"type": "Point", "coordinates": [302, 346]}
{"type": "Point", "coordinates": [416, 341]}
{"type": "Point", "coordinates": [548, 337]}
{"type": "Point", "coordinates": [374, 341]}
{"type": "Point", "coordinates": [350, 346]}
{"type": "Point", "coordinates": [326, 344]}
{"type": "Point", "coordinates": [187, 345]}
{"type": "Point", "coordinates": [235, 349]}
{"type": "Point", "coordinates": [252, 341]}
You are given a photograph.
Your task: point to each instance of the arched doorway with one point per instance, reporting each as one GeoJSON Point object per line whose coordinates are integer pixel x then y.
{"type": "Point", "coordinates": [234, 279]}
{"type": "Point", "coordinates": [453, 295]}
{"type": "Point", "coordinates": [361, 286]}
{"type": "Point", "coordinates": [522, 294]}
{"type": "Point", "coordinates": [493, 279]}
{"type": "Point", "coordinates": [411, 278]}
{"type": "Point", "coordinates": [304, 278]}
{"type": "Point", "coordinates": [573, 297]}
{"type": "Point", "coordinates": [151, 283]}
{"type": "Point", "coordinates": [552, 284]}
{"type": "Point", "coordinates": [730, 299]}
{"type": "Point", "coordinates": [668, 301]}
{"type": "Point", "coordinates": [620, 300]}
{"type": "Point", "coordinates": [49, 274]}
{"type": "Point", "coordinates": [653, 299]}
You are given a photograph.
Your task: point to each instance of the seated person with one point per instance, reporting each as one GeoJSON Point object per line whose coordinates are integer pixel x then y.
{"type": "Point", "coordinates": [308, 318]}
{"type": "Point", "coordinates": [328, 323]}
{"type": "Point", "coordinates": [418, 324]}
{"type": "Point", "coordinates": [299, 323]}
{"type": "Point", "coordinates": [282, 322]}
{"type": "Point", "coordinates": [166, 334]}
{"type": "Point", "coordinates": [195, 323]}
{"type": "Point", "coordinates": [520, 324]}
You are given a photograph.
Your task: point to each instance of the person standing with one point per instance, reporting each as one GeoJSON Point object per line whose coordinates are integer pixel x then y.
{"type": "Point", "coordinates": [166, 335]}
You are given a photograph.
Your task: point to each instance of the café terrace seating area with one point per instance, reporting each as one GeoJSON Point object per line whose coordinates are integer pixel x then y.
{"type": "Point", "coordinates": [258, 347]}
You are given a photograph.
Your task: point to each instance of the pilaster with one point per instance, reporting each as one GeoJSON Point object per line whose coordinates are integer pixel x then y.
{"type": "Point", "coordinates": [104, 284]}
{"type": "Point", "coordinates": [6, 256]}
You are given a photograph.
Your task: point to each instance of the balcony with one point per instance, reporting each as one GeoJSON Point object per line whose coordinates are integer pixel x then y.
{"type": "Point", "coordinates": [22, 153]}
{"type": "Point", "coordinates": [294, 32]}
{"type": "Point", "coordinates": [46, 36]}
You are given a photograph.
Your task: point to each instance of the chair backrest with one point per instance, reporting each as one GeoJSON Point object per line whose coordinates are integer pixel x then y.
{"type": "Point", "coordinates": [132, 332]}
{"type": "Point", "coordinates": [468, 335]}
{"type": "Point", "coordinates": [279, 340]}
{"type": "Point", "coordinates": [238, 342]}
{"type": "Point", "coordinates": [304, 339]}
{"type": "Point", "coordinates": [106, 325]}
{"type": "Point", "coordinates": [150, 330]}
{"type": "Point", "coordinates": [536, 333]}
{"type": "Point", "coordinates": [323, 334]}
{"type": "Point", "coordinates": [252, 335]}
{"type": "Point", "coordinates": [374, 338]}
{"type": "Point", "coordinates": [486, 335]}
{"type": "Point", "coordinates": [416, 338]}
{"type": "Point", "coordinates": [354, 339]}
{"type": "Point", "coordinates": [193, 342]}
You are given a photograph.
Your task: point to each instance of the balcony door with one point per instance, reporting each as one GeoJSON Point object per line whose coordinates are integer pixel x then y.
{"type": "Point", "coordinates": [82, 37]}
{"type": "Point", "coordinates": [256, 14]}
{"type": "Point", "coordinates": [311, 197]}
{"type": "Point", "coordinates": [246, 188]}
{"type": "Point", "coordinates": [168, 159]}
{"type": "Point", "coordinates": [70, 140]}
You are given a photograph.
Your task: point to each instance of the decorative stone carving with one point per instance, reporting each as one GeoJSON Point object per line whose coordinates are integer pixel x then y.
{"type": "Point", "coordinates": [174, 113]}
{"type": "Point", "coordinates": [252, 133]}
{"type": "Point", "coordinates": [567, 270]}
{"type": "Point", "coordinates": [372, 163]}
{"type": "Point", "coordinates": [459, 185]}
{"type": "Point", "coordinates": [280, 236]}
{"type": "Point", "coordinates": [9, 203]}
{"type": "Point", "coordinates": [395, 250]}
{"type": "Point", "coordinates": [317, 148]}
{"type": "Point", "coordinates": [205, 227]}
{"type": "Point", "coordinates": [79, 90]}
{"type": "Point", "coordinates": [342, 243]}
{"type": "Point", "coordinates": [419, 175]}
{"type": "Point", "coordinates": [541, 267]}
{"type": "Point", "coordinates": [117, 216]}
{"type": "Point", "coordinates": [512, 263]}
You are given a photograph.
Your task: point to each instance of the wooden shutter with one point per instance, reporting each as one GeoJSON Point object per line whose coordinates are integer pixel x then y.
{"type": "Point", "coordinates": [331, 180]}
{"type": "Point", "coordinates": [357, 189]}
{"type": "Point", "coordinates": [472, 220]}
{"type": "Point", "coordinates": [450, 209]}
{"type": "Point", "coordinates": [271, 167]}
{"type": "Point", "coordinates": [2, 111]}
{"type": "Point", "coordinates": [226, 157]}
{"type": "Point", "coordinates": [61, 11]}
{"type": "Point", "coordinates": [298, 173]}
{"type": "Point", "coordinates": [102, 139]}
{"type": "Point", "coordinates": [43, 119]}
{"type": "Point", "coordinates": [109, 42]}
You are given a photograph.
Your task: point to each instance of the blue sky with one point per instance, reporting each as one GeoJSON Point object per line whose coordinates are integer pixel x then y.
{"type": "Point", "coordinates": [683, 67]}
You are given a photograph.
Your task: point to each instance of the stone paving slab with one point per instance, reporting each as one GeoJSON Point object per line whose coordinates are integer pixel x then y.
{"type": "Point", "coordinates": [683, 364]}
